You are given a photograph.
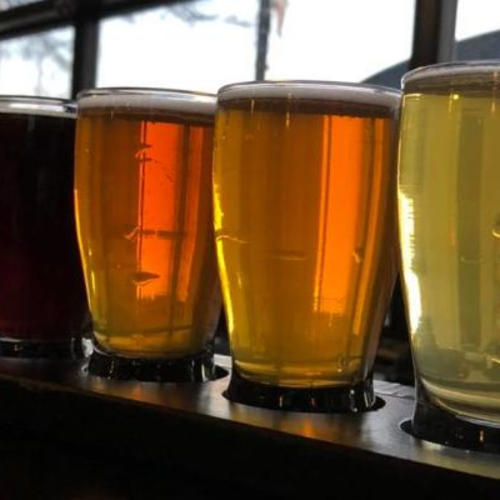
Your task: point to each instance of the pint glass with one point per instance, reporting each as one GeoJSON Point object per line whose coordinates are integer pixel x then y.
{"type": "Point", "coordinates": [449, 223]}
{"type": "Point", "coordinates": [143, 204]}
{"type": "Point", "coordinates": [304, 179]}
{"type": "Point", "coordinates": [43, 308]}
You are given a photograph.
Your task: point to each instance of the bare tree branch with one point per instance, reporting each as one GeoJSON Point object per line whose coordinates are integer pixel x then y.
{"type": "Point", "coordinates": [190, 14]}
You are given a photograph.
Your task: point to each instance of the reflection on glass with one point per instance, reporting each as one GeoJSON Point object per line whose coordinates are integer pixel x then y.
{"type": "Point", "coordinates": [328, 40]}
{"type": "Point", "coordinates": [198, 45]}
{"type": "Point", "coordinates": [38, 64]}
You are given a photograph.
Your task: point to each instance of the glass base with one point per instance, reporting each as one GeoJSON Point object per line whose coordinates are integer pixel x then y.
{"type": "Point", "coordinates": [35, 349]}
{"type": "Point", "coordinates": [434, 424]}
{"type": "Point", "coordinates": [197, 368]}
{"type": "Point", "coordinates": [352, 399]}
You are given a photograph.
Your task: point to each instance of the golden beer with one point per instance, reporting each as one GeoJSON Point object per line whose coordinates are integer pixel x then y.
{"type": "Point", "coordinates": [143, 206]}
{"type": "Point", "coordinates": [303, 193]}
{"type": "Point", "coordinates": [449, 218]}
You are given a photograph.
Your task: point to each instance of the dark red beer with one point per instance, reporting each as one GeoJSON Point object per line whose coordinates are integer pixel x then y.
{"type": "Point", "coordinates": [43, 306]}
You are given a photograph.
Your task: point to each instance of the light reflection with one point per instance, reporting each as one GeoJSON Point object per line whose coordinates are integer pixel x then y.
{"type": "Point", "coordinates": [407, 234]}
{"type": "Point", "coordinates": [341, 193]}
{"type": "Point", "coordinates": [92, 281]}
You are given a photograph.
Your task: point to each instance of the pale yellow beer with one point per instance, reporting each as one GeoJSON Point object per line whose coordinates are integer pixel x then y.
{"type": "Point", "coordinates": [143, 206]}
{"type": "Point", "coordinates": [449, 219]}
{"type": "Point", "coordinates": [303, 189]}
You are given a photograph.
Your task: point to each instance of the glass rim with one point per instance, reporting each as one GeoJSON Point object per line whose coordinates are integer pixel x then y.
{"type": "Point", "coordinates": [144, 98]}
{"type": "Point", "coordinates": [446, 71]}
{"type": "Point", "coordinates": [139, 91]}
{"type": "Point", "coordinates": [37, 105]}
{"type": "Point", "coordinates": [325, 90]}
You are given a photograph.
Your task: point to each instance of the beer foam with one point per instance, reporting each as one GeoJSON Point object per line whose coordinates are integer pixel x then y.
{"type": "Point", "coordinates": [25, 105]}
{"type": "Point", "coordinates": [349, 93]}
{"type": "Point", "coordinates": [449, 73]}
{"type": "Point", "coordinates": [168, 101]}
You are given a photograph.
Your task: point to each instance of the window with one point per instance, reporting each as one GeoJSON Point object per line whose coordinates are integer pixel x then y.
{"type": "Point", "coordinates": [38, 64]}
{"type": "Point", "coordinates": [197, 45]}
{"type": "Point", "coordinates": [477, 31]}
{"type": "Point", "coordinates": [325, 40]}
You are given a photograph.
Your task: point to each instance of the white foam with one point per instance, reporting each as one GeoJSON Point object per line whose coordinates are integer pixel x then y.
{"type": "Point", "coordinates": [322, 91]}
{"type": "Point", "coordinates": [485, 70]}
{"type": "Point", "coordinates": [167, 101]}
{"type": "Point", "coordinates": [36, 106]}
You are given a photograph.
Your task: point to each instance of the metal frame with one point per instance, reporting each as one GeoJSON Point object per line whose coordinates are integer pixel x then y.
{"type": "Point", "coordinates": [85, 53]}
{"type": "Point", "coordinates": [264, 25]}
{"type": "Point", "coordinates": [434, 32]}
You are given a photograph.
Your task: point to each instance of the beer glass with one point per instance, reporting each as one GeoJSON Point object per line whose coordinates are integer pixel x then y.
{"type": "Point", "coordinates": [143, 206]}
{"type": "Point", "coordinates": [449, 224]}
{"type": "Point", "coordinates": [304, 197]}
{"type": "Point", "coordinates": [43, 309]}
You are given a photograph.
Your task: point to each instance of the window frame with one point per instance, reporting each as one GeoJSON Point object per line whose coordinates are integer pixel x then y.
{"type": "Point", "coordinates": [433, 34]}
{"type": "Point", "coordinates": [84, 16]}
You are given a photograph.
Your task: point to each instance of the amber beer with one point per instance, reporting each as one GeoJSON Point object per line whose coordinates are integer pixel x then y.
{"type": "Point", "coordinates": [43, 309]}
{"type": "Point", "coordinates": [303, 193]}
{"type": "Point", "coordinates": [143, 205]}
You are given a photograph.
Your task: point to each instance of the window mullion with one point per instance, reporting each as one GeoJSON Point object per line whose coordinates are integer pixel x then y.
{"type": "Point", "coordinates": [434, 32]}
{"type": "Point", "coordinates": [263, 27]}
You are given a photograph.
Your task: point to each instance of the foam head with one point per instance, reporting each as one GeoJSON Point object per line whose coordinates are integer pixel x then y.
{"type": "Point", "coordinates": [347, 95]}
{"type": "Point", "coordinates": [148, 100]}
{"type": "Point", "coordinates": [442, 77]}
{"type": "Point", "coordinates": [39, 106]}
